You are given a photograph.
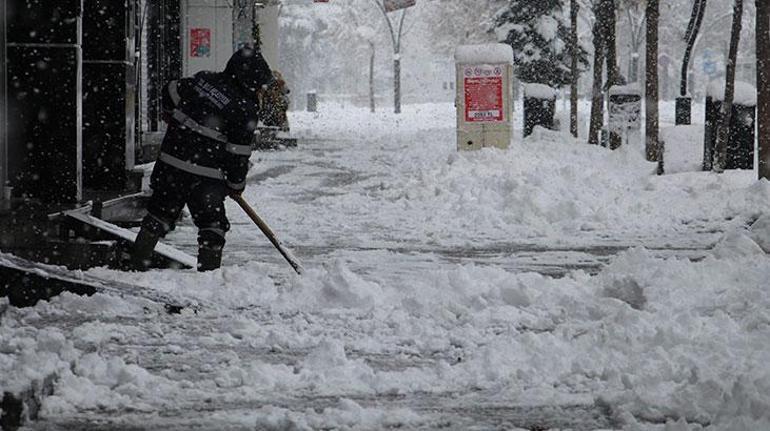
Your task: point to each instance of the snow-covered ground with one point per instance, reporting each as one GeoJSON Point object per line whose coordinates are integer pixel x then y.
{"type": "Point", "coordinates": [552, 285]}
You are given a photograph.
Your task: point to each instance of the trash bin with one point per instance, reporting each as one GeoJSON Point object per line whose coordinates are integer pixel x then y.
{"type": "Point", "coordinates": [312, 101]}
{"type": "Point", "coordinates": [625, 112]}
{"type": "Point", "coordinates": [740, 148]}
{"type": "Point", "coordinates": [742, 134]}
{"type": "Point", "coordinates": [683, 111]}
{"type": "Point", "coordinates": [539, 107]}
{"type": "Point", "coordinates": [711, 123]}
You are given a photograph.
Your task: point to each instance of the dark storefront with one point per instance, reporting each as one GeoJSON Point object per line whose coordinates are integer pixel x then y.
{"type": "Point", "coordinates": [71, 99]}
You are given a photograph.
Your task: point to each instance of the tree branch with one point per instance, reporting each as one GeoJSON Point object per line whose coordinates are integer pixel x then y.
{"type": "Point", "coordinates": [400, 30]}
{"type": "Point", "coordinates": [381, 7]}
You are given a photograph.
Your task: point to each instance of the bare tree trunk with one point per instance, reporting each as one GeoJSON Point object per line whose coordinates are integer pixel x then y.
{"type": "Point", "coordinates": [652, 142]}
{"type": "Point", "coordinates": [614, 77]}
{"type": "Point", "coordinates": [763, 86]}
{"type": "Point", "coordinates": [573, 112]}
{"type": "Point", "coordinates": [597, 98]}
{"type": "Point", "coordinates": [693, 29]}
{"type": "Point", "coordinates": [723, 130]}
{"type": "Point", "coordinates": [372, 105]}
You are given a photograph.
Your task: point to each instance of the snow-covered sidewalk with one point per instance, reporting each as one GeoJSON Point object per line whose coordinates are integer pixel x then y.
{"type": "Point", "coordinates": [553, 285]}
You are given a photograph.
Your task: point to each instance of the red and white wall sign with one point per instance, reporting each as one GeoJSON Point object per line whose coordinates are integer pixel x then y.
{"type": "Point", "coordinates": [200, 42]}
{"type": "Point", "coordinates": [484, 93]}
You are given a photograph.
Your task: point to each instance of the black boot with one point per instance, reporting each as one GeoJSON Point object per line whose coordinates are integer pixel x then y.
{"type": "Point", "coordinates": [209, 258]}
{"type": "Point", "coordinates": [141, 255]}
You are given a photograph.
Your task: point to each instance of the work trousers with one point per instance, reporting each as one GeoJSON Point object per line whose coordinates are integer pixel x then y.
{"type": "Point", "coordinates": [205, 197]}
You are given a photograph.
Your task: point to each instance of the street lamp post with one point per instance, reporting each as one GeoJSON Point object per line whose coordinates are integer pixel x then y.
{"type": "Point", "coordinates": [395, 36]}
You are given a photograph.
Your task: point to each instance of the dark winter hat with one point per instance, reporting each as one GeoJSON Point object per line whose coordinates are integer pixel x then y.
{"type": "Point", "coordinates": [249, 68]}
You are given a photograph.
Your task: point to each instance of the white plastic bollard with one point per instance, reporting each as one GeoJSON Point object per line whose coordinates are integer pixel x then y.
{"type": "Point", "coordinates": [484, 109]}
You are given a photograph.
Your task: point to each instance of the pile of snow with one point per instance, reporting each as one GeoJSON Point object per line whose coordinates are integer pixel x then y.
{"type": "Point", "coordinates": [661, 338]}
{"type": "Point", "coordinates": [745, 94]}
{"type": "Point", "coordinates": [652, 340]}
{"type": "Point", "coordinates": [98, 383]}
{"type": "Point", "coordinates": [335, 122]}
{"type": "Point", "coordinates": [630, 89]}
{"type": "Point", "coordinates": [225, 288]}
{"type": "Point", "coordinates": [760, 232]}
{"type": "Point", "coordinates": [539, 91]}
{"type": "Point", "coordinates": [548, 186]}
{"type": "Point", "coordinates": [29, 355]}
{"type": "Point", "coordinates": [741, 242]}
{"type": "Point", "coordinates": [736, 244]}
{"type": "Point", "coordinates": [683, 148]}
{"type": "Point", "coordinates": [655, 339]}
{"type": "Point", "coordinates": [554, 188]}
{"type": "Point", "coordinates": [493, 53]}
{"type": "Point", "coordinates": [347, 415]}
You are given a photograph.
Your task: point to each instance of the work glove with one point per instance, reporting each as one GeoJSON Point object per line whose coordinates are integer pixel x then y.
{"type": "Point", "coordinates": [235, 194]}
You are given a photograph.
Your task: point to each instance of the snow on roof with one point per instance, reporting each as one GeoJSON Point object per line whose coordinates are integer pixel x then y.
{"type": "Point", "coordinates": [539, 91]}
{"type": "Point", "coordinates": [486, 53]}
{"type": "Point", "coordinates": [745, 94]}
{"type": "Point", "coordinates": [630, 89]}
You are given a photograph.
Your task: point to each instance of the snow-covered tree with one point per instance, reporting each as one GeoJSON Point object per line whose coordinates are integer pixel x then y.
{"type": "Point", "coordinates": [327, 51]}
{"type": "Point", "coordinates": [539, 35]}
{"type": "Point", "coordinates": [458, 22]}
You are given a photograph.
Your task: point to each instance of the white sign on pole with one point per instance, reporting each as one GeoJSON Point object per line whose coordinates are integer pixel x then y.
{"type": "Point", "coordinates": [394, 5]}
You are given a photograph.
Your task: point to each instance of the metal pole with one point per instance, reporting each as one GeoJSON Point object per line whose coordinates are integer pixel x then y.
{"type": "Point", "coordinates": [3, 135]}
{"type": "Point", "coordinates": [397, 83]}
{"type": "Point", "coordinates": [372, 104]}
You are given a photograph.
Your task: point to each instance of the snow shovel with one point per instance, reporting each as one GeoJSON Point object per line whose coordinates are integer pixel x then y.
{"type": "Point", "coordinates": [285, 252]}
